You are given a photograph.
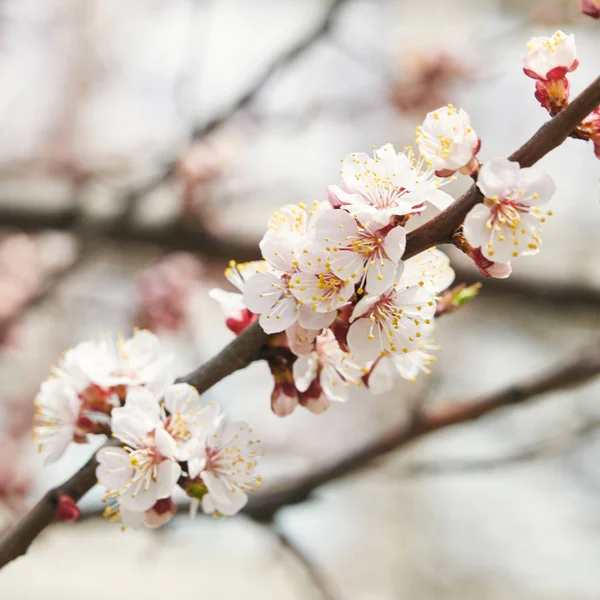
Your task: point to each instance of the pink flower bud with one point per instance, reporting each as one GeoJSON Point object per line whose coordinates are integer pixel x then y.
{"type": "Point", "coordinates": [490, 268]}
{"type": "Point", "coordinates": [240, 320]}
{"type": "Point", "coordinates": [67, 509]}
{"type": "Point", "coordinates": [591, 8]}
{"type": "Point", "coordinates": [550, 58]}
{"type": "Point", "coordinates": [284, 399]}
{"type": "Point", "coordinates": [162, 512]}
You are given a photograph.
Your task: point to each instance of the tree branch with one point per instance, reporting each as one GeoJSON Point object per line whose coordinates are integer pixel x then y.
{"type": "Point", "coordinates": [585, 365]}
{"type": "Point", "coordinates": [313, 572]}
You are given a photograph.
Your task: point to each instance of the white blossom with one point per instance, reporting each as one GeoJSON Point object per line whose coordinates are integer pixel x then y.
{"type": "Point", "coordinates": [270, 294]}
{"type": "Point", "coordinates": [389, 184]}
{"type": "Point", "coordinates": [507, 223]}
{"type": "Point", "coordinates": [390, 323]}
{"type": "Point", "coordinates": [222, 468]}
{"type": "Point", "coordinates": [57, 413]}
{"type": "Point", "coordinates": [447, 141]}
{"type": "Point", "coordinates": [137, 361]}
{"type": "Point", "coordinates": [317, 288]}
{"type": "Point", "coordinates": [361, 249]}
{"type": "Point", "coordinates": [430, 269]}
{"type": "Point", "coordinates": [155, 437]}
{"type": "Point", "coordinates": [550, 58]}
{"type": "Point", "coordinates": [407, 366]}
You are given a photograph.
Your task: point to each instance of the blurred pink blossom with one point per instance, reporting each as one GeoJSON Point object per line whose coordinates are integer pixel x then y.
{"type": "Point", "coordinates": [165, 290]}
{"type": "Point", "coordinates": [427, 81]}
{"type": "Point", "coordinates": [591, 8]}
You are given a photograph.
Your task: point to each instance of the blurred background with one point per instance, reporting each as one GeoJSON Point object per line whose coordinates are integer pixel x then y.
{"type": "Point", "coordinates": [145, 143]}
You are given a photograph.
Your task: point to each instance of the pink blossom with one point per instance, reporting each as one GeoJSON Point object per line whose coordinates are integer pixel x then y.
{"type": "Point", "coordinates": [165, 290]}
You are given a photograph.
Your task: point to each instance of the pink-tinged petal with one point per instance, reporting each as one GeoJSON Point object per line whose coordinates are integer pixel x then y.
{"type": "Point", "coordinates": [336, 227]}
{"type": "Point", "coordinates": [364, 341]}
{"type": "Point", "coordinates": [338, 197]}
{"type": "Point", "coordinates": [497, 177]}
{"type": "Point", "coordinates": [301, 339]}
{"type": "Point", "coordinates": [476, 230]}
{"type": "Point", "coordinates": [333, 384]}
{"type": "Point", "coordinates": [165, 444]}
{"type": "Point", "coordinates": [261, 292]}
{"type": "Point", "coordinates": [313, 320]}
{"type": "Point", "coordinates": [316, 405]}
{"type": "Point", "coordinates": [363, 306]}
{"type": "Point", "coordinates": [380, 276]}
{"type": "Point", "coordinates": [284, 400]}
{"type": "Point", "coordinates": [281, 316]}
{"type": "Point", "coordinates": [277, 250]}
{"type": "Point", "coordinates": [499, 270]}
{"type": "Point", "coordinates": [395, 244]}
{"type": "Point", "coordinates": [166, 478]}
{"type": "Point", "coordinates": [305, 371]}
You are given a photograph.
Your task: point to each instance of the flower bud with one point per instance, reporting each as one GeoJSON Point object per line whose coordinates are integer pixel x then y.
{"type": "Point", "coordinates": [67, 509]}
{"type": "Point", "coordinates": [591, 8]}
{"type": "Point", "coordinates": [550, 58]}
{"type": "Point", "coordinates": [162, 512]}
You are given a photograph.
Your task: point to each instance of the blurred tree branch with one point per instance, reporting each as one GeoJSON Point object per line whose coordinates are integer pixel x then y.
{"type": "Point", "coordinates": [313, 572]}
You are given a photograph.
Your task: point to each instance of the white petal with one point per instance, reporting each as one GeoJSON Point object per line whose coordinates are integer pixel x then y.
{"type": "Point", "coordinates": [277, 250]}
{"type": "Point", "coordinates": [476, 230]}
{"type": "Point", "coordinates": [131, 518]}
{"type": "Point", "coordinates": [333, 384]}
{"type": "Point", "coordinates": [114, 469]}
{"type": "Point", "coordinates": [313, 320]}
{"type": "Point", "coordinates": [144, 499]}
{"type": "Point", "coordinates": [305, 371]}
{"type": "Point", "coordinates": [497, 177]}
{"type": "Point", "coordinates": [363, 306]}
{"type": "Point", "coordinates": [395, 243]}
{"type": "Point", "coordinates": [281, 316]}
{"type": "Point", "coordinates": [183, 398]}
{"type": "Point", "coordinates": [363, 347]}
{"type": "Point", "coordinates": [335, 227]}
{"type": "Point", "coordinates": [166, 478]}
{"type": "Point", "coordinates": [216, 486]}
{"type": "Point", "coordinates": [165, 444]}
{"type": "Point", "coordinates": [380, 378]}
{"type": "Point", "coordinates": [380, 276]}
{"type": "Point", "coordinates": [261, 292]}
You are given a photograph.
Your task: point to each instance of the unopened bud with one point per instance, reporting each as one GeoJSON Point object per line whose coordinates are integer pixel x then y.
{"type": "Point", "coordinates": [67, 509]}
{"type": "Point", "coordinates": [162, 512]}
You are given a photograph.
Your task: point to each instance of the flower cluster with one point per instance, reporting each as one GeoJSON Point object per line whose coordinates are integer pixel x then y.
{"type": "Point", "coordinates": [333, 286]}
{"type": "Point", "coordinates": [168, 436]}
